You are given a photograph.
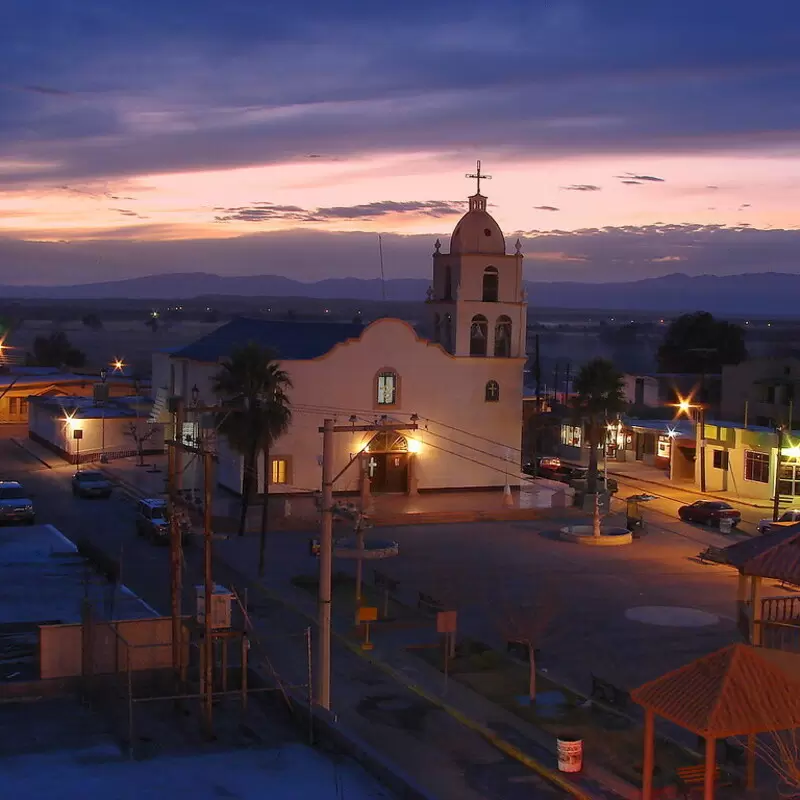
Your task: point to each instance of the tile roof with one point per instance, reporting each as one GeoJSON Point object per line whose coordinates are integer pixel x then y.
{"type": "Point", "coordinates": [292, 341]}
{"type": "Point", "coordinates": [732, 692]}
{"type": "Point", "coordinates": [774, 555]}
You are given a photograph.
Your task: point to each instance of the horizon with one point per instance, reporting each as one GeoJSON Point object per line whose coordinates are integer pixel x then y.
{"type": "Point", "coordinates": [622, 145]}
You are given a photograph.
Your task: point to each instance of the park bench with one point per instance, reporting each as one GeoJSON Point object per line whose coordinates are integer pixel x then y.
{"type": "Point", "coordinates": [714, 555]}
{"type": "Point", "coordinates": [429, 604]}
{"type": "Point", "coordinates": [690, 778]}
{"type": "Point", "coordinates": [606, 692]}
{"type": "Point", "coordinates": [389, 586]}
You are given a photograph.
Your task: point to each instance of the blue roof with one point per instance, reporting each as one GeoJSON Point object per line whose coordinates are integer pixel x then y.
{"type": "Point", "coordinates": [291, 341]}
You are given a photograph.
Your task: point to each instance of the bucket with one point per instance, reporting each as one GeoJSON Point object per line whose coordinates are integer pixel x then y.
{"type": "Point", "coordinates": [570, 755]}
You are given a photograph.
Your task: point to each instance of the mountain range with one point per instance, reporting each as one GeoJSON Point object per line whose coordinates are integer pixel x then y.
{"type": "Point", "coordinates": [770, 293]}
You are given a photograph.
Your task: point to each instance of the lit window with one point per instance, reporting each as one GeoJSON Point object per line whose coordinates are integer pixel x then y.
{"type": "Point", "coordinates": [387, 389]}
{"type": "Point", "coordinates": [571, 435]}
{"type": "Point", "coordinates": [756, 466]}
{"type": "Point", "coordinates": [664, 447]}
{"type": "Point", "coordinates": [492, 392]}
{"type": "Point", "coordinates": [280, 470]}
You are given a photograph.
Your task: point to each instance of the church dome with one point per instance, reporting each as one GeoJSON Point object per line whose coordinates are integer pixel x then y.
{"type": "Point", "coordinates": [477, 231]}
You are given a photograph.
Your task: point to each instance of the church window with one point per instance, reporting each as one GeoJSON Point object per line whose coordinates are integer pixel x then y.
{"type": "Point", "coordinates": [492, 392]}
{"type": "Point", "coordinates": [448, 283]}
{"type": "Point", "coordinates": [487, 232]}
{"type": "Point", "coordinates": [491, 285]}
{"type": "Point", "coordinates": [387, 388]}
{"type": "Point", "coordinates": [448, 333]}
{"type": "Point", "coordinates": [502, 337]}
{"type": "Point", "coordinates": [478, 334]}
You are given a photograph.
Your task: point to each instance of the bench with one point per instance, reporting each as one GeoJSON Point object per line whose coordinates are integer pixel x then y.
{"type": "Point", "coordinates": [389, 585]}
{"type": "Point", "coordinates": [429, 604]}
{"type": "Point", "coordinates": [606, 692]}
{"type": "Point", "coordinates": [692, 777]}
{"type": "Point", "coordinates": [714, 555]}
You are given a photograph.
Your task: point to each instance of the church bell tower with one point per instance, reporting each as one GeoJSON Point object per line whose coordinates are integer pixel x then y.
{"type": "Point", "coordinates": [477, 301]}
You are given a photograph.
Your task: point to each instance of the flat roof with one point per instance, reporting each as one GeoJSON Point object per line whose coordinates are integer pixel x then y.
{"type": "Point", "coordinates": [86, 408]}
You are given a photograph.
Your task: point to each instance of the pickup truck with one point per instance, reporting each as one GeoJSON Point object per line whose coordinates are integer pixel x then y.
{"type": "Point", "coordinates": [792, 515]}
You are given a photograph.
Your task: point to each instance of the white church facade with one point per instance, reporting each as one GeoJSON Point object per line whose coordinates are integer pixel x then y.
{"type": "Point", "coordinates": [462, 388]}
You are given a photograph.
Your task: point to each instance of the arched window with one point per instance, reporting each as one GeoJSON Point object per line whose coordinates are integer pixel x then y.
{"type": "Point", "coordinates": [478, 333]}
{"type": "Point", "coordinates": [448, 283]}
{"type": "Point", "coordinates": [447, 339]}
{"type": "Point", "coordinates": [386, 388]}
{"type": "Point", "coordinates": [491, 285]}
{"type": "Point", "coordinates": [492, 392]}
{"type": "Point", "coordinates": [502, 337]}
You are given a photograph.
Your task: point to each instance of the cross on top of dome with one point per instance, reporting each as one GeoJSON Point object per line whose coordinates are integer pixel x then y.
{"type": "Point", "coordinates": [478, 175]}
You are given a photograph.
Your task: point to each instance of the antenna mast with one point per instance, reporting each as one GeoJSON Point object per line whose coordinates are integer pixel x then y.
{"type": "Point", "coordinates": [383, 277]}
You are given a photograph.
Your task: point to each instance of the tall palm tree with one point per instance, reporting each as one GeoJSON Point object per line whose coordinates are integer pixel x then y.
{"type": "Point", "coordinates": [257, 412]}
{"type": "Point", "coordinates": [599, 394]}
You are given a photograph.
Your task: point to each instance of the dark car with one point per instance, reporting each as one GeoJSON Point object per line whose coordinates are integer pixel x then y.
{"type": "Point", "coordinates": [15, 504]}
{"type": "Point", "coordinates": [90, 483]}
{"type": "Point", "coordinates": [153, 521]}
{"type": "Point", "coordinates": [709, 512]}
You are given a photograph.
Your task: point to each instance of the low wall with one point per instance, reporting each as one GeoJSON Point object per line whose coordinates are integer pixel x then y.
{"type": "Point", "coordinates": [146, 642]}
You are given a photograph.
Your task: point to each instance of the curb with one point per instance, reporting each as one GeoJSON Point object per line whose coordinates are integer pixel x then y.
{"type": "Point", "coordinates": [501, 744]}
{"type": "Point", "coordinates": [635, 479]}
{"type": "Point", "coordinates": [21, 446]}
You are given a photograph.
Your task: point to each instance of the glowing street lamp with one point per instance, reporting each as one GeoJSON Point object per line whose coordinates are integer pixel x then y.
{"type": "Point", "coordinates": [685, 406]}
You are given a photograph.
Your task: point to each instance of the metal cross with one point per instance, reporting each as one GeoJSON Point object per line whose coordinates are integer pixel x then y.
{"type": "Point", "coordinates": [372, 464]}
{"type": "Point", "coordinates": [478, 175]}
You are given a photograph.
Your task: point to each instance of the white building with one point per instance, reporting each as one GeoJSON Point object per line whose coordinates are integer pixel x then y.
{"type": "Point", "coordinates": [464, 388]}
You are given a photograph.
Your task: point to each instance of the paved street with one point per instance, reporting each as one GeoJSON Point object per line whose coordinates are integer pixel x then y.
{"type": "Point", "coordinates": [446, 759]}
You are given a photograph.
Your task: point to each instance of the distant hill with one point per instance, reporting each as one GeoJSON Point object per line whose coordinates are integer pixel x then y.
{"type": "Point", "coordinates": [768, 293]}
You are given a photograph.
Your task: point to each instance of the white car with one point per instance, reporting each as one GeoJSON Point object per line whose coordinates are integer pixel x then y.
{"type": "Point", "coordinates": [792, 515]}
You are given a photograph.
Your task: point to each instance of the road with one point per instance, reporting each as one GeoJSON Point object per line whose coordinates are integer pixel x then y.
{"type": "Point", "coordinates": [448, 760]}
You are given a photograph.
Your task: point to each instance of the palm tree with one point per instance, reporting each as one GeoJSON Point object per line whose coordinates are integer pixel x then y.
{"type": "Point", "coordinates": [599, 394]}
{"type": "Point", "coordinates": [253, 389]}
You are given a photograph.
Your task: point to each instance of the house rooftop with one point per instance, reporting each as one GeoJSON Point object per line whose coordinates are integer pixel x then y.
{"type": "Point", "coordinates": [291, 340]}
{"type": "Point", "coordinates": [86, 408]}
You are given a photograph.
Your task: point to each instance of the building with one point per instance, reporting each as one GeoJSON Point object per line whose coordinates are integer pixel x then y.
{"type": "Point", "coordinates": [760, 390]}
{"type": "Point", "coordinates": [463, 387]}
{"type": "Point", "coordinates": [642, 391]}
{"type": "Point", "coordinates": [743, 461]}
{"type": "Point", "coordinates": [19, 383]}
{"type": "Point", "coordinates": [81, 431]}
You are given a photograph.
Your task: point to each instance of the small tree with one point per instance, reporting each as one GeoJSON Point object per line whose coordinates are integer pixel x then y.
{"type": "Point", "coordinates": [140, 435]}
{"type": "Point", "coordinates": [527, 625]}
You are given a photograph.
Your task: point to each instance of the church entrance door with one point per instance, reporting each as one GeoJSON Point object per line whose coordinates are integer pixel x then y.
{"type": "Point", "coordinates": [387, 463]}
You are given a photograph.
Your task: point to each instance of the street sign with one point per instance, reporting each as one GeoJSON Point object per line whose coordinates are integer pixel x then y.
{"type": "Point", "coordinates": [367, 614]}
{"type": "Point", "coordinates": [446, 621]}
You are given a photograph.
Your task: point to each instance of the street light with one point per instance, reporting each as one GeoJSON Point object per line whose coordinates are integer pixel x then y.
{"type": "Point", "coordinates": [776, 500]}
{"type": "Point", "coordinates": [684, 406]}
{"type": "Point", "coordinates": [103, 376]}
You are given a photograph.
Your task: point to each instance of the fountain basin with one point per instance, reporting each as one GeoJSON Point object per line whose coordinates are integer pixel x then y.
{"type": "Point", "coordinates": [584, 534]}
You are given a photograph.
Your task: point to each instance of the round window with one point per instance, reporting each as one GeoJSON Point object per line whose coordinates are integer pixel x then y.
{"type": "Point", "coordinates": [487, 232]}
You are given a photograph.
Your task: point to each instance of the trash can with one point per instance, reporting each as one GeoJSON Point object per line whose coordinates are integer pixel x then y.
{"type": "Point", "coordinates": [570, 755]}
{"type": "Point", "coordinates": [725, 525]}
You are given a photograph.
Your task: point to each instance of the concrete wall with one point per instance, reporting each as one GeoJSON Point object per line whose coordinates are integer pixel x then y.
{"type": "Point", "coordinates": [464, 441]}
{"type": "Point", "coordinates": [747, 383]}
{"type": "Point", "coordinates": [148, 643]}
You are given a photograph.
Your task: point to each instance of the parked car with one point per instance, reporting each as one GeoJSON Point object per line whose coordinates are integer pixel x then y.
{"type": "Point", "coordinates": [16, 505]}
{"type": "Point", "coordinates": [90, 483]}
{"type": "Point", "coordinates": [709, 512]}
{"type": "Point", "coordinates": [152, 521]}
{"type": "Point", "coordinates": [541, 465]}
{"type": "Point", "coordinates": [792, 515]}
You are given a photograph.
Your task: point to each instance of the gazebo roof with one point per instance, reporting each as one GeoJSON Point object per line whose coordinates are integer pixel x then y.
{"type": "Point", "coordinates": [732, 692]}
{"type": "Point", "coordinates": [774, 555]}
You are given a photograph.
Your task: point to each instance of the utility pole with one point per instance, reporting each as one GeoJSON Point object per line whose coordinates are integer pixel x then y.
{"type": "Point", "coordinates": [555, 384]}
{"type": "Point", "coordinates": [326, 546]}
{"type": "Point", "coordinates": [702, 415]}
{"type": "Point", "coordinates": [208, 580]}
{"type": "Point", "coordinates": [776, 500]}
{"type": "Point", "coordinates": [175, 543]}
{"type": "Point", "coordinates": [566, 384]}
{"type": "Point", "coordinates": [537, 374]}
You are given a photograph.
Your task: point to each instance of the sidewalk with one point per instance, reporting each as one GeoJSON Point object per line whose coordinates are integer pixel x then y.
{"type": "Point", "coordinates": [681, 492]}
{"type": "Point", "coordinates": [472, 722]}
{"type": "Point", "coordinates": [44, 456]}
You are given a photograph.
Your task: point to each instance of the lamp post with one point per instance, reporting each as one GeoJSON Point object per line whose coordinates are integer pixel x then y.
{"type": "Point", "coordinates": [103, 376]}
{"type": "Point", "coordinates": [684, 406]}
{"type": "Point", "coordinates": [776, 500]}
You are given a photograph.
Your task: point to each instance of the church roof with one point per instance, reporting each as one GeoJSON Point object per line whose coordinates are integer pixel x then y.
{"type": "Point", "coordinates": [477, 231]}
{"type": "Point", "coordinates": [291, 340]}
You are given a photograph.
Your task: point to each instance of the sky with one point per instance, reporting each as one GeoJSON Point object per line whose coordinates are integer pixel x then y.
{"type": "Point", "coordinates": [624, 139]}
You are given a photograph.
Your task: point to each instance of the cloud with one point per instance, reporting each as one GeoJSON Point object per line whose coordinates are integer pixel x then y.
{"type": "Point", "coordinates": [632, 177]}
{"type": "Point", "coordinates": [666, 259]}
{"type": "Point", "coordinates": [546, 208]}
{"type": "Point", "coordinates": [46, 90]}
{"type": "Point", "coordinates": [126, 212]}
{"type": "Point", "coordinates": [264, 211]}
{"type": "Point", "coordinates": [582, 187]}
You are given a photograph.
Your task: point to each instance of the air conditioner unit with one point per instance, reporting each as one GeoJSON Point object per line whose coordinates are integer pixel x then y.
{"type": "Point", "coordinates": [221, 602]}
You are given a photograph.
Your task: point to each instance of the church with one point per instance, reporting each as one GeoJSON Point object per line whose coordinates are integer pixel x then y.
{"type": "Point", "coordinates": [452, 403]}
